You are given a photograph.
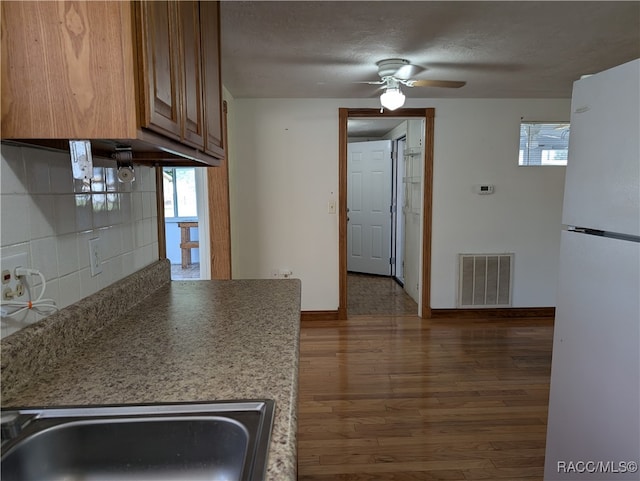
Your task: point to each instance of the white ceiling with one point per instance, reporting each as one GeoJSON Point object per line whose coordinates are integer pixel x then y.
{"type": "Point", "coordinates": [502, 49]}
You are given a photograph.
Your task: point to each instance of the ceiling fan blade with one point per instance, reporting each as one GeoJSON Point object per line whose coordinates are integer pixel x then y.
{"type": "Point", "coordinates": [378, 82]}
{"type": "Point", "coordinates": [407, 71]}
{"type": "Point", "coordinates": [453, 84]}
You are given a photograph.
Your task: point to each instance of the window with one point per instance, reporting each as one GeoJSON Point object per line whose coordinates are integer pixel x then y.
{"type": "Point", "coordinates": [544, 143]}
{"type": "Point", "coordinates": [179, 192]}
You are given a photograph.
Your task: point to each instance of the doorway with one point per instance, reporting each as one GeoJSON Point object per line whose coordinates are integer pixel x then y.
{"type": "Point", "coordinates": [423, 219]}
{"type": "Point", "coordinates": [186, 222]}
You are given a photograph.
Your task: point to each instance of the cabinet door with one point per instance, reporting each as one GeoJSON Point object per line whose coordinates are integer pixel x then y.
{"type": "Point", "coordinates": [67, 70]}
{"type": "Point", "coordinates": [191, 65]}
{"type": "Point", "coordinates": [162, 112]}
{"type": "Point", "coordinates": [210, 25]}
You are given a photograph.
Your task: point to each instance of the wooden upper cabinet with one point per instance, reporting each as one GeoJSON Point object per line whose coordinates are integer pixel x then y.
{"type": "Point", "coordinates": [214, 136]}
{"type": "Point", "coordinates": [144, 74]}
{"type": "Point", "coordinates": [160, 56]}
{"type": "Point", "coordinates": [192, 106]}
{"type": "Point", "coordinates": [67, 70]}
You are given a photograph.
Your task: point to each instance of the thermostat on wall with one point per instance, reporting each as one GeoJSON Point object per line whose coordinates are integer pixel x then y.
{"type": "Point", "coordinates": [484, 189]}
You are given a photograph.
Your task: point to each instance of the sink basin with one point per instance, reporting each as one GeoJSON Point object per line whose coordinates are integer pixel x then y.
{"type": "Point", "coordinates": [213, 441]}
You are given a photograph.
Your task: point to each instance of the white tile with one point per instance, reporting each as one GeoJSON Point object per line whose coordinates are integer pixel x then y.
{"type": "Point", "coordinates": [155, 252]}
{"type": "Point", "coordinates": [12, 250]}
{"type": "Point", "coordinates": [52, 291]}
{"type": "Point", "coordinates": [111, 179]}
{"type": "Point", "coordinates": [140, 231]}
{"type": "Point", "coordinates": [13, 176]}
{"type": "Point", "coordinates": [14, 221]}
{"type": "Point", "coordinates": [138, 184]}
{"type": "Point", "coordinates": [128, 237]}
{"type": "Point", "coordinates": [68, 261]}
{"type": "Point", "coordinates": [128, 264]}
{"type": "Point", "coordinates": [42, 217]}
{"type": "Point", "coordinates": [149, 227]}
{"type": "Point", "coordinates": [154, 229]}
{"type": "Point", "coordinates": [61, 176]}
{"type": "Point", "coordinates": [83, 212]}
{"type": "Point", "coordinates": [154, 205]}
{"type": "Point", "coordinates": [65, 213]}
{"type": "Point", "coordinates": [148, 255]}
{"type": "Point", "coordinates": [88, 283]}
{"type": "Point", "coordinates": [37, 169]}
{"type": "Point", "coordinates": [126, 208]}
{"type": "Point", "coordinates": [126, 187]}
{"type": "Point", "coordinates": [117, 269]}
{"type": "Point", "coordinates": [44, 257]}
{"type": "Point", "coordinates": [9, 325]}
{"type": "Point", "coordinates": [70, 289]}
{"type": "Point", "coordinates": [111, 241]}
{"type": "Point", "coordinates": [100, 213]}
{"type": "Point", "coordinates": [105, 278]}
{"type": "Point", "coordinates": [98, 181]}
{"type": "Point", "coordinates": [114, 212]}
{"type": "Point", "coordinates": [83, 248]}
{"type": "Point", "coordinates": [136, 204]}
{"type": "Point", "coordinates": [151, 179]}
{"type": "Point", "coordinates": [148, 199]}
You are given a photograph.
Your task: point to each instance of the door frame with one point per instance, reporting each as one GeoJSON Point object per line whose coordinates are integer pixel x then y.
{"type": "Point", "coordinates": [428, 114]}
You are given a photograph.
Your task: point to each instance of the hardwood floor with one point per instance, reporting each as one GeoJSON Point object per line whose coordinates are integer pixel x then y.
{"type": "Point", "coordinates": [399, 398]}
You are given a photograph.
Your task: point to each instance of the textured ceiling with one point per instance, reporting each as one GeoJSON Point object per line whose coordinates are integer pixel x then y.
{"type": "Point", "coordinates": [527, 49]}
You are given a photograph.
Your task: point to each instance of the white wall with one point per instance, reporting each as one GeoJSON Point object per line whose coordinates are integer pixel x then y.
{"type": "Point", "coordinates": [476, 141]}
{"type": "Point", "coordinates": [51, 217]}
{"type": "Point", "coordinates": [284, 170]}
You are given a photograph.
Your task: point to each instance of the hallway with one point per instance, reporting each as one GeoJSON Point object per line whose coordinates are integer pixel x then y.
{"type": "Point", "coordinates": [377, 295]}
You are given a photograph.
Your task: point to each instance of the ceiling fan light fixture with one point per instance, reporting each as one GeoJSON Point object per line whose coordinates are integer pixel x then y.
{"type": "Point", "coordinates": [392, 98]}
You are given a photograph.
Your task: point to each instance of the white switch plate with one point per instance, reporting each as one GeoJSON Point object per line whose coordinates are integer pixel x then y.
{"type": "Point", "coordinates": [332, 207]}
{"type": "Point", "coordinates": [95, 259]}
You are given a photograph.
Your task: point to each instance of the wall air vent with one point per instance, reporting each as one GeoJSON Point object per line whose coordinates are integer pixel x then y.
{"type": "Point", "coordinates": [485, 280]}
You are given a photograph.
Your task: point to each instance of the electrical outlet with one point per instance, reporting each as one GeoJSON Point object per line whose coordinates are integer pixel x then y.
{"type": "Point", "coordinates": [12, 287]}
{"type": "Point", "coordinates": [285, 273]}
{"type": "Point", "coordinates": [95, 258]}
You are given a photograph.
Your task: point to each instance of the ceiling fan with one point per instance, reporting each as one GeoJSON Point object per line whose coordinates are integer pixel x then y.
{"type": "Point", "coordinates": [395, 72]}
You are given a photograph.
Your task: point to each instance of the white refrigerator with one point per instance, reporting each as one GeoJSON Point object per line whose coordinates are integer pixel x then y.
{"type": "Point", "coordinates": [593, 430]}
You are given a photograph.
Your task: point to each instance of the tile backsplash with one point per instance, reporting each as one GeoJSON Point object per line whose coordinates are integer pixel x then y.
{"type": "Point", "coordinates": [51, 217]}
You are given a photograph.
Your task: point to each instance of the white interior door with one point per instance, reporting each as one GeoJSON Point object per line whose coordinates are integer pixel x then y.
{"type": "Point", "coordinates": [369, 204]}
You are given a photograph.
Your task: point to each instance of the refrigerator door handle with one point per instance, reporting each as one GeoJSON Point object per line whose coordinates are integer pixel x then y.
{"type": "Point", "coordinates": [603, 233]}
{"type": "Point", "coordinates": [586, 230]}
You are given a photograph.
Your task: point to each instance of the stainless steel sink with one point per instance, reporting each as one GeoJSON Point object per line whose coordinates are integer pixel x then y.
{"type": "Point", "coordinates": [214, 441]}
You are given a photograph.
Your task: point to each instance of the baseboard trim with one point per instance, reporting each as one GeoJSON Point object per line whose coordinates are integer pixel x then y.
{"type": "Point", "coordinates": [306, 316]}
{"type": "Point", "coordinates": [507, 312]}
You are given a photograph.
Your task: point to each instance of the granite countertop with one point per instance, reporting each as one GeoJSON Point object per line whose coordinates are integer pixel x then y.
{"type": "Point", "coordinates": [190, 341]}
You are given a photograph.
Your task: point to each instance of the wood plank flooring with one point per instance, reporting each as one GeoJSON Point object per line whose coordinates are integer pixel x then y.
{"type": "Point", "coordinates": [400, 398]}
